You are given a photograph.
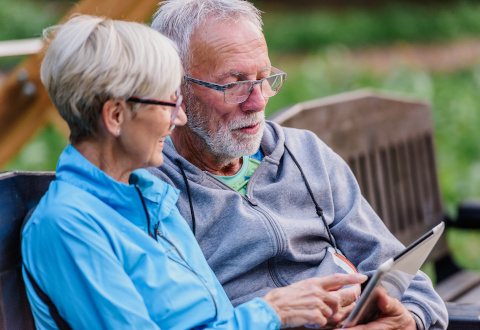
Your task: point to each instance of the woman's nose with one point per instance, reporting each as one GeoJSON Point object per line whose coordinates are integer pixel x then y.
{"type": "Point", "coordinates": [181, 118]}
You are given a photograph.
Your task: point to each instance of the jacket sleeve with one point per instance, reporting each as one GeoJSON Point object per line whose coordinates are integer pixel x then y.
{"type": "Point", "coordinates": [254, 314]}
{"type": "Point", "coordinates": [73, 262]}
{"type": "Point", "coordinates": [364, 239]}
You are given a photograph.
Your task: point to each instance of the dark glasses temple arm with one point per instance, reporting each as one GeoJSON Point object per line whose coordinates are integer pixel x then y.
{"type": "Point", "coordinates": [147, 101]}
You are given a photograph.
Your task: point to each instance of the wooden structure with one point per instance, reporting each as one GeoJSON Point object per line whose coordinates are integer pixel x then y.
{"type": "Point", "coordinates": [25, 107]}
{"type": "Point", "coordinates": [388, 143]}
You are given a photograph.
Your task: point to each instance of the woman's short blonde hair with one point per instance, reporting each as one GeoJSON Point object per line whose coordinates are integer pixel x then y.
{"type": "Point", "coordinates": [95, 59]}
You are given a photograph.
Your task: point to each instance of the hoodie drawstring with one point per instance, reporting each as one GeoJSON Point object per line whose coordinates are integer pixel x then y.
{"type": "Point", "coordinates": [318, 209]}
{"type": "Point", "coordinates": [179, 163]}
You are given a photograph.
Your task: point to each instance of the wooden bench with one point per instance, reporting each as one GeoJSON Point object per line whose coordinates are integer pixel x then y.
{"type": "Point", "coordinates": [388, 143]}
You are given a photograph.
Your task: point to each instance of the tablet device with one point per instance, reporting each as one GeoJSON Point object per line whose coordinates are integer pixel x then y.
{"type": "Point", "coordinates": [394, 275]}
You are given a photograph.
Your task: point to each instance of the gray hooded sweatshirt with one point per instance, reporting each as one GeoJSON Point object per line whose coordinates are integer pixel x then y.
{"type": "Point", "coordinates": [273, 237]}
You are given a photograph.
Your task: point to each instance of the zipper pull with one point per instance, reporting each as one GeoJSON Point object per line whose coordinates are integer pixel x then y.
{"type": "Point", "coordinates": [156, 231]}
{"type": "Point", "coordinates": [251, 201]}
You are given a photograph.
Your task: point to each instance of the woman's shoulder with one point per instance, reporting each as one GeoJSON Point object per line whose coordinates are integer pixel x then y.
{"type": "Point", "coordinates": [62, 203]}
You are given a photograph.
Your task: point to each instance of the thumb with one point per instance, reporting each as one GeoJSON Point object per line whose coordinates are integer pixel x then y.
{"type": "Point", "coordinates": [385, 303]}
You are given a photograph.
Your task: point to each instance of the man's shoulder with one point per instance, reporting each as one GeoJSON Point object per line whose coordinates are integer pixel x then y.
{"type": "Point", "coordinates": [290, 135]}
{"type": "Point", "coordinates": [275, 128]}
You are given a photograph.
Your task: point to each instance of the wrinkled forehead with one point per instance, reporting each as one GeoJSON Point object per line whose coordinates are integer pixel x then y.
{"type": "Point", "coordinates": [223, 46]}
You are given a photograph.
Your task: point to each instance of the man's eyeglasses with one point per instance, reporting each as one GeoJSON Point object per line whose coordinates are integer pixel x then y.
{"type": "Point", "coordinates": [177, 104]}
{"type": "Point", "coordinates": [239, 92]}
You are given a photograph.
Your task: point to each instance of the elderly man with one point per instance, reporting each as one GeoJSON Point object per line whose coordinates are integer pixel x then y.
{"type": "Point", "coordinates": [269, 205]}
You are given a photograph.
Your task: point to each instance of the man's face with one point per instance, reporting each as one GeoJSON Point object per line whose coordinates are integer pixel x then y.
{"type": "Point", "coordinates": [226, 52]}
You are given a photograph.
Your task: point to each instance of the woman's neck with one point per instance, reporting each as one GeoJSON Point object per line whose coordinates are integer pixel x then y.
{"type": "Point", "coordinates": [103, 156]}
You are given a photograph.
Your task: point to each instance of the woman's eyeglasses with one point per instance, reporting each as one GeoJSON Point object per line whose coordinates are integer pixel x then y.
{"type": "Point", "coordinates": [177, 104]}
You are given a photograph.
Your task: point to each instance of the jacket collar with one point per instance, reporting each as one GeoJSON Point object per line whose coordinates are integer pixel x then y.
{"type": "Point", "coordinates": [75, 169]}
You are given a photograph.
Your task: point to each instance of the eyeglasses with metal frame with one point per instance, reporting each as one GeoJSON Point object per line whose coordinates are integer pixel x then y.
{"type": "Point", "coordinates": [239, 92]}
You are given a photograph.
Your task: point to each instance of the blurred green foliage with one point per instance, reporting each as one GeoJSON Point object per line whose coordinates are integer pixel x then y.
{"type": "Point", "coordinates": [307, 30]}
{"type": "Point", "coordinates": [454, 97]}
{"type": "Point", "coordinates": [465, 245]}
{"type": "Point", "coordinates": [41, 154]}
{"type": "Point", "coordinates": [22, 19]}
{"type": "Point", "coordinates": [322, 39]}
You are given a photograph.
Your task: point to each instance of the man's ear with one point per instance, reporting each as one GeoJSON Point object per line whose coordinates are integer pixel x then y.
{"type": "Point", "coordinates": [113, 116]}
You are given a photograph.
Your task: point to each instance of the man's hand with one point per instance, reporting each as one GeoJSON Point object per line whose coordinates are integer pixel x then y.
{"type": "Point", "coordinates": [316, 301]}
{"type": "Point", "coordinates": [393, 315]}
{"type": "Point", "coordinates": [347, 297]}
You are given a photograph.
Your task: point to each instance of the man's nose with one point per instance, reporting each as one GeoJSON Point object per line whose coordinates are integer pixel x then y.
{"type": "Point", "coordinates": [256, 101]}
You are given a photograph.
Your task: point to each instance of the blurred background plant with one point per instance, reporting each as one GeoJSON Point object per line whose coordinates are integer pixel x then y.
{"type": "Point", "coordinates": [428, 51]}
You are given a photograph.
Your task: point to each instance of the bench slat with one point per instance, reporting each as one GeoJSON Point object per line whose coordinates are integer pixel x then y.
{"type": "Point", "coordinates": [457, 285]}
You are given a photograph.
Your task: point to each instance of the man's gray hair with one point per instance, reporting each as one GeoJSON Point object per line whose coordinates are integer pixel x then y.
{"type": "Point", "coordinates": [178, 19]}
{"type": "Point", "coordinates": [95, 59]}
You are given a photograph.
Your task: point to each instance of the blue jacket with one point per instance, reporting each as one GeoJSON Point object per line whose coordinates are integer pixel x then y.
{"type": "Point", "coordinates": [88, 247]}
{"type": "Point", "coordinates": [273, 237]}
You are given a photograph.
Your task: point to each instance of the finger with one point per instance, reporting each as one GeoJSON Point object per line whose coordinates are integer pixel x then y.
{"type": "Point", "coordinates": [349, 295]}
{"type": "Point", "coordinates": [369, 326]}
{"type": "Point", "coordinates": [326, 310]}
{"type": "Point", "coordinates": [318, 319]}
{"type": "Point", "coordinates": [390, 306]}
{"type": "Point", "coordinates": [348, 309]}
{"type": "Point", "coordinates": [336, 281]}
{"type": "Point", "coordinates": [332, 301]}
{"type": "Point", "coordinates": [339, 318]}
{"type": "Point", "coordinates": [385, 303]}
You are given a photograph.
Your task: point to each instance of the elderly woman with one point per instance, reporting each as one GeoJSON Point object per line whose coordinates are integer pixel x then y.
{"type": "Point", "coordinates": [106, 246]}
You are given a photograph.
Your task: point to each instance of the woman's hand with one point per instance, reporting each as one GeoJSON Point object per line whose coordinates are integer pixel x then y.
{"type": "Point", "coordinates": [316, 301]}
{"type": "Point", "coordinates": [393, 315]}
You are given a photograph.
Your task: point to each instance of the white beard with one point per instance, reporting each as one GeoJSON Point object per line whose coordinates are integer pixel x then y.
{"type": "Point", "coordinates": [226, 143]}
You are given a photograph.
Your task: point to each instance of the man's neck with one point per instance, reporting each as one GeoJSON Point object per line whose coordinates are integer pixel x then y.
{"type": "Point", "coordinates": [194, 149]}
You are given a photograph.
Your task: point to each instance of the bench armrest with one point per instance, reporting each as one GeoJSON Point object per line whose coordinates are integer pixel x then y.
{"type": "Point", "coordinates": [468, 216]}
{"type": "Point", "coordinates": [463, 316]}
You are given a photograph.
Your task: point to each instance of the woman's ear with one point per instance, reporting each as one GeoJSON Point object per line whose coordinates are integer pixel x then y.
{"type": "Point", "coordinates": [113, 116]}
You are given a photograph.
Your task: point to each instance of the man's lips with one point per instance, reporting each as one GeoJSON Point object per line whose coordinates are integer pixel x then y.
{"type": "Point", "coordinates": [248, 129]}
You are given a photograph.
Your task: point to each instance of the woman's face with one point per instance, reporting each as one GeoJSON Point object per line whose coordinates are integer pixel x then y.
{"type": "Point", "coordinates": [143, 135]}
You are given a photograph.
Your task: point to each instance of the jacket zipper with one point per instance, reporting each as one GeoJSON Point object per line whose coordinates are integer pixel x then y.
{"type": "Point", "coordinates": [270, 220]}
{"type": "Point", "coordinates": [154, 236]}
{"type": "Point", "coordinates": [276, 231]}
{"type": "Point", "coordinates": [187, 266]}
{"type": "Point", "coordinates": [273, 224]}
{"type": "Point", "coordinates": [247, 197]}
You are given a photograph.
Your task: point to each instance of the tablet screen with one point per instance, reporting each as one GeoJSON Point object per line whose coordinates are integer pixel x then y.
{"type": "Point", "coordinates": [394, 275]}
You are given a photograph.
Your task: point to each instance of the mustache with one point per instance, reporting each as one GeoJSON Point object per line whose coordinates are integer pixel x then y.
{"type": "Point", "coordinates": [247, 121]}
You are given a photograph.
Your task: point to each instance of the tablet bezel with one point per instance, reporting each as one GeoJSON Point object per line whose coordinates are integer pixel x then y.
{"type": "Point", "coordinates": [366, 303]}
